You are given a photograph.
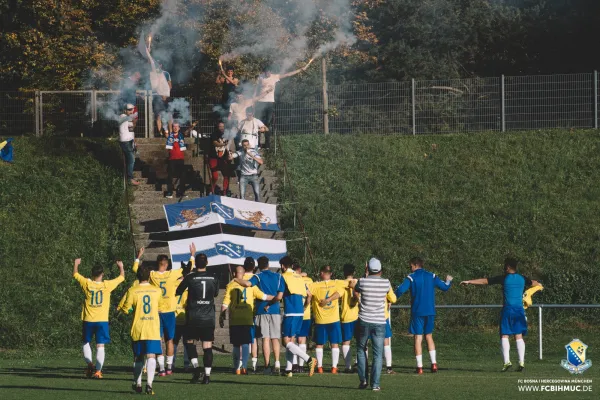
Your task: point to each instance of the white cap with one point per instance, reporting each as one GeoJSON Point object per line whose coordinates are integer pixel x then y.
{"type": "Point", "coordinates": [374, 265]}
{"type": "Point", "coordinates": [130, 107]}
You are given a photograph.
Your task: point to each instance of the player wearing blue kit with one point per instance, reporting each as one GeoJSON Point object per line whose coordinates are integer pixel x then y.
{"type": "Point", "coordinates": [295, 296]}
{"type": "Point", "coordinates": [422, 285]}
{"type": "Point", "coordinates": [268, 317]}
{"type": "Point", "coordinates": [512, 318]}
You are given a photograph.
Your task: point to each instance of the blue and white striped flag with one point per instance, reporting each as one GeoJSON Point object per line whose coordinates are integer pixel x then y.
{"type": "Point", "coordinates": [229, 249]}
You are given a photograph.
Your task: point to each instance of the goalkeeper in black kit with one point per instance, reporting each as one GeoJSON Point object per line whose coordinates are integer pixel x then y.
{"type": "Point", "coordinates": [200, 316]}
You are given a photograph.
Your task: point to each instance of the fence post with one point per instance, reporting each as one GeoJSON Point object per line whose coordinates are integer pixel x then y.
{"type": "Point", "coordinates": [325, 97]}
{"type": "Point", "coordinates": [36, 107]}
{"type": "Point", "coordinates": [41, 113]}
{"type": "Point", "coordinates": [595, 99]}
{"type": "Point", "coordinates": [414, 108]}
{"type": "Point", "coordinates": [93, 107]}
{"type": "Point", "coordinates": [540, 328]}
{"type": "Point", "coordinates": [149, 117]}
{"type": "Point", "coordinates": [503, 104]}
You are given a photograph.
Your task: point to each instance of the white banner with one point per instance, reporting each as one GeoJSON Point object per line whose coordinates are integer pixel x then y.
{"type": "Point", "coordinates": [229, 249]}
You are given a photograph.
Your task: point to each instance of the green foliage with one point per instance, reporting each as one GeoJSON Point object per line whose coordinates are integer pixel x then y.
{"type": "Point", "coordinates": [62, 199]}
{"type": "Point", "coordinates": [463, 206]}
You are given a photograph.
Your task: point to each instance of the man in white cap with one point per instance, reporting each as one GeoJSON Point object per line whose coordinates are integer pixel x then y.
{"type": "Point", "coordinates": [126, 138]}
{"type": "Point", "coordinates": [371, 292]}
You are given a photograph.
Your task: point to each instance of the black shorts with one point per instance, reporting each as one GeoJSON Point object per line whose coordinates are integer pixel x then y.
{"type": "Point", "coordinates": [201, 333]}
{"type": "Point", "coordinates": [158, 105]}
{"type": "Point", "coordinates": [179, 331]}
{"type": "Point", "coordinates": [240, 334]}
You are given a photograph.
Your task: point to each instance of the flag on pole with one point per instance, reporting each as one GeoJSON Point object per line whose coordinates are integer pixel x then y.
{"type": "Point", "coordinates": [210, 210]}
{"type": "Point", "coordinates": [228, 249]}
{"type": "Point", "coordinates": [6, 150]}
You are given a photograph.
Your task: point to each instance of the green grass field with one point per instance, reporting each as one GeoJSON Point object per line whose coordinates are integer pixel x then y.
{"type": "Point", "coordinates": [469, 369]}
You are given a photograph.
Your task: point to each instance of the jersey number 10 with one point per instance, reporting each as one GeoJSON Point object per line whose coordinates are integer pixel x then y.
{"type": "Point", "coordinates": [96, 297]}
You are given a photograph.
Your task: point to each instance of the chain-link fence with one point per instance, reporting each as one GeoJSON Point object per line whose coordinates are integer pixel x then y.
{"type": "Point", "coordinates": [410, 107]}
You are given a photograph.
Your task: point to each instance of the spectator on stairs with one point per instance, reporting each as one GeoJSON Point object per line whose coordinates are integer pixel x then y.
{"type": "Point", "coordinates": [249, 162]}
{"type": "Point", "coordinates": [250, 128]}
{"type": "Point", "coordinates": [126, 140]}
{"type": "Point", "coordinates": [176, 161]}
{"type": "Point", "coordinates": [218, 160]}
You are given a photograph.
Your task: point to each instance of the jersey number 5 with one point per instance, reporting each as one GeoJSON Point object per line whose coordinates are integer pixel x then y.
{"type": "Point", "coordinates": [163, 288]}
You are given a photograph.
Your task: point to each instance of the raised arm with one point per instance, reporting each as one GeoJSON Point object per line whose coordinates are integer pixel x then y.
{"type": "Point", "coordinates": [121, 268]}
{"type": "Point", "coordinates": [76, 266]}
{"type": "Point", "coordinates": [136, 263]}
{"type": "Point", "coordinates": [288, 74]}
{"type": "Point", "coordinates": [482, 281]}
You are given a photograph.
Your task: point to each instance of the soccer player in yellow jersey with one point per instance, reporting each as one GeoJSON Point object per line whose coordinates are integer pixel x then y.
{"type": "Point", "coordinates": [249, 267]}
{"type": "Point", "coordinates": [349, 315]}
{"type": "Point", "coordinates": [326, 310]}
{"type": "Point", "coordinates": [304, 333]}
{"type": "Point", "coordinates": [95, 313]}
{"type": "Point", "coordinates": [387, 341]}
{"type": "Point", "coordinates": [240, 303]}
{"type": "Point", "coordinates": [180, 319]}
{"type": "Point", "coordinates": [167, 281]}
{"type": "Point", "coordinates": [145, 329]}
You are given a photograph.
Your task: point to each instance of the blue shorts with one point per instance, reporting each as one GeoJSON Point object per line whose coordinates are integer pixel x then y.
{"type": "Point", "coordinates": [305, 330]}
{"type": "Point", "coordinates": [331, 333]}
{"type": "Point", "coordinates": [252, 333]}
{"type": "Point", "coordinates": [167, 325]}
{"type": "Point", "coordinates": [348, 330]}
{"type": "Point", "coordinates": [97, 329]}
{"type": "Point", "coordinates": [421, 325]}
{"type": "Point", "coordinates": [291, 326]}
{"type": "Point", "coordinates": [513, 321]}
{"type": "Point", "coordinates": [143, 347]}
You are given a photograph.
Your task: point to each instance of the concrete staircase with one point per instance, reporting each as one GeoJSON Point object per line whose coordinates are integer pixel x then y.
{"type": "Point", "coordinates": [148, 218]}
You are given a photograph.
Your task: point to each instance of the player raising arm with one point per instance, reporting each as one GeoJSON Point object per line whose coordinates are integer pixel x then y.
{"type": "Point", "coordinates": [145, 329]}
{"type": "Point", "coordinates": [95, 313]}
{"type": "Point", "coordinates": [202, 289]}
{"type": "Point", "coordinates": [512, 317]}
{"type": "Point", "coordinates": [422, 284]}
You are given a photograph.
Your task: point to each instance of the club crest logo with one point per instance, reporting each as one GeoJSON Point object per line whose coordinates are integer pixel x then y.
{"type": "Point", "coordinates": [222, 210]}
{"type": "Point", "coordinates": [230, 249]}
{"type": "Point", "coordinates": [576, 362]}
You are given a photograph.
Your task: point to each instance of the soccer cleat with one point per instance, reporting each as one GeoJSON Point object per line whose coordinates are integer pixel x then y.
{"type": "Point", "coordinates": [363, 385]}
{"type": "Point", "coordinates": [376, 389]}
{"type": "Point", "coordinates": [334, 370]}
{"type": "Point", "coordinates": [136, 388]}
{"type": "Point", "coordinates": [244, 371]}
{"type": "Point", "coordinates": [289, 374]}
{"type": "Point", "coordinates": [419, 371]}
{"type": "Point", "coordinates": [276, 371]}
{"type": "Point", "coordinates": [196, 375]}
{"type": "Point", "coordinates": [268, 371]}
{"type": "Point", "coordinates": [311, 366]}
{"type": "Point", "coordinates": [319, 370]}
{"type": "Point", "coordinates": [434, 368]}
{"type": "Point", "coordinates": [507, 366]}
{"type": "Point", "coordinates": [206, 380]}
{"type": "Point", "coordinates": [295, 368]}
{"type": "Point", "coordinates": [149, 390]}
{"type": "Point", "coordinates": [390, 371]}
{"type": "Point", "coordinates": [237, 372]}
{"type": "Point", "coordinates": [162, 373]}
{"type": "Point", "coordinates": [98, 375]}
{"type": "Point", "coordinates": [169, 371]}
{"type": "Point", "coordinates": [521, 367]}
{"type": "Point", "coordinates": [89, 371]}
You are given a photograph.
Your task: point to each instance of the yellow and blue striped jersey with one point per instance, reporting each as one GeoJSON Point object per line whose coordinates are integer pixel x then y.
{"type": "Point", "coordinates": [322, 290]}
{"type": "Point", "coordinates": [144, 299]}
{"type": "Point", "coordinates": [97, 297]}
{"type": "Point", "coordinates": [240, 301]}
{"type": "Point", "coordinates": [348, 303]}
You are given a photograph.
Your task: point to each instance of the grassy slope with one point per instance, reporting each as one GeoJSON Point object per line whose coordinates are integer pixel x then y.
{"type": "Point", "coordinates": [463, 207]}
{"type": "Point", "coordinates": [468, 371]}
{"type": "Point", "coordinates": [62, 199]}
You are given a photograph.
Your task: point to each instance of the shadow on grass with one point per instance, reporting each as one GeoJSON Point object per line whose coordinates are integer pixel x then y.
{"type": "Point", "coordinates": [5, 387]}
